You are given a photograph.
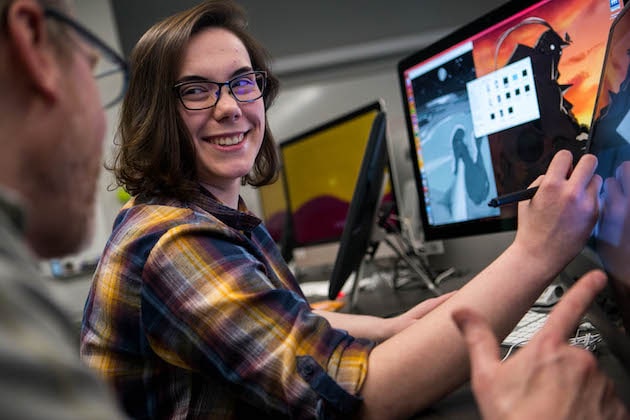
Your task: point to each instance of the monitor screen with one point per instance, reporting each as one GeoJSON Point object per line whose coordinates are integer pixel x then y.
{"type": "Point", "coordinates": [488, 106]}
{"type": "Point", "coordinates": [320, 170]}
{"type": "Point", "coordinates": [357, 232]}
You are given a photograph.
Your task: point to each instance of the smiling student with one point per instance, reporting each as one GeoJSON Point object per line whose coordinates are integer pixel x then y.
{"type": "Point", "coordinates": [193, 313]}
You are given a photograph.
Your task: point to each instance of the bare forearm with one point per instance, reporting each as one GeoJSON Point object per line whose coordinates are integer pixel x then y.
{"type": "Point", "coordinates": [361, 326]}
{"type": "Point", "coordinates": [431, 355]}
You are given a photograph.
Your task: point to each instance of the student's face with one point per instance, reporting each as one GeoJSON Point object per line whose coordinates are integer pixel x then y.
{"type": "Point", "coordinates": [64, 169]}
{"type": "Point", "coordinates": [218, 55]}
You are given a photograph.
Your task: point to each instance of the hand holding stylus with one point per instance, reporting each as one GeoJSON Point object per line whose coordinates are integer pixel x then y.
{"type": "Point", "coordinates": [514, 197]}
{"type": "Point", "coordinates": [555, 225]}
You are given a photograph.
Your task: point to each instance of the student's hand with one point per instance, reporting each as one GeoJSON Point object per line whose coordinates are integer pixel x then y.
{"type": "Point", "coordinates": [546, 379]}
{"type": "Point", "coordinates": [412, 315]}
{"type": "Point", "coordinates": [392, 326]}
{"type": "Point", "coordinates": [613, 237]}
{"type": "Point", "coordinates": [554, 225]}
{"type": "Point", "coordinates": [376, 328]}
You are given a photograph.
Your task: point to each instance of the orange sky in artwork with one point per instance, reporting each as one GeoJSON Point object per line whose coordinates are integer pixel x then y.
{"type": "Point", "coordinates": [586, 21]}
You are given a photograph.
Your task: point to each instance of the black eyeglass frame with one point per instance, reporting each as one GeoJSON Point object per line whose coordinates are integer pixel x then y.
{"type": "Point", "coordinates": [100, 44]}
{"type": "Point", "coordinates": [220, 85]}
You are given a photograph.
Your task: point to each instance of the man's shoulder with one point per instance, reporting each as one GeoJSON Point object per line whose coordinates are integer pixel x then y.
{"type": "Point", "coordinates": [39, 355]}
{"type": "Point", "coordinates": [27, 304]}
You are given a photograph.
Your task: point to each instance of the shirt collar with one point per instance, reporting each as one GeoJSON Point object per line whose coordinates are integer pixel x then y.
{"type": "Point", "coordinates": [241, 218]}
{"type": "Point", "coordinates": [12, 209]}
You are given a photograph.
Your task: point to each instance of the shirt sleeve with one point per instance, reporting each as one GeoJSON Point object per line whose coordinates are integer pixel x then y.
{"type": "Point", "coordinates": [209, 305]}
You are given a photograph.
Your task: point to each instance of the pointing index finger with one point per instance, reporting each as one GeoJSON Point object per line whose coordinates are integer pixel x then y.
{"type": "Point", "coordinates": [569, 310]}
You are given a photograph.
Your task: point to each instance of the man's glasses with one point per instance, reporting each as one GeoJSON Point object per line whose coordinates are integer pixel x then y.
{"type": "Point", "coordinates": [111, 72]}
{"type": "Point", "coordinates": [202, 94]}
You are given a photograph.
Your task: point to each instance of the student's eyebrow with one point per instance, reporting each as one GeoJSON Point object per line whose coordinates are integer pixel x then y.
{"type": "Point", "coordinates": [197, 78]}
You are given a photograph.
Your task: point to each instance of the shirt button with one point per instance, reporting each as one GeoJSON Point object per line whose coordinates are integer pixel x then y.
{"type": "Point", "coordinates": [308, 371]}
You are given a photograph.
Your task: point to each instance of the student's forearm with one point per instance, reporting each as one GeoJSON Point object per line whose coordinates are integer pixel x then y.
{"type": "Point", "coordinates": [362, 326]}
{"type": "Point", "coordinates": [421, 364]}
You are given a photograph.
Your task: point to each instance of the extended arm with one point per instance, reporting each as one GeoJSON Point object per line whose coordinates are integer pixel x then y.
{"type": "Point", "coordinates": [431, 354]}
{"type": "Point", "coordinates": [379, 329]}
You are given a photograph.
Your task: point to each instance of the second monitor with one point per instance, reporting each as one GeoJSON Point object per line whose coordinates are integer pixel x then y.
{"type": "Point", "coordinates": [320, 170]}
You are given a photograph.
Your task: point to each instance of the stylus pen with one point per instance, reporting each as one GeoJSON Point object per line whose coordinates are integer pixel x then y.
{"type": "Point", "coordinates": [513, 197]}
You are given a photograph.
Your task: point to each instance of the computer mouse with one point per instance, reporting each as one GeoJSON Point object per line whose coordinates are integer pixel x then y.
{"type": "Point", "coordinates": [551, 295]}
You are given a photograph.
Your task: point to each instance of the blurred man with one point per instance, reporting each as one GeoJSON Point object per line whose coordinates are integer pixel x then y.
{"type": "Point", "coordinates": [52, 125]}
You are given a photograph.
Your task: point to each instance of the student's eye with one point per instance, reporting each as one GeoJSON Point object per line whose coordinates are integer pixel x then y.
{"type": "Point", "coordinates": [244, 82]}
{"type": "Point", "coordinates": [194, 90]}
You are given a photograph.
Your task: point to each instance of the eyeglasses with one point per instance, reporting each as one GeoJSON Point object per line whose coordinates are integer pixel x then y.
{"type": "Point", "coordinates": [111, 72]}
{"type": "Point", "coordinates": [203, 94]}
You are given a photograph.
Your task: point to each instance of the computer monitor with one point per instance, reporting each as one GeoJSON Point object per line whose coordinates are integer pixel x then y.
{"type": "Point", "coordinates": [320, 170]}
{"type": "Point", "coordinates": [361, 219]}
{"type": "Point", "coordinates": [487, 107]}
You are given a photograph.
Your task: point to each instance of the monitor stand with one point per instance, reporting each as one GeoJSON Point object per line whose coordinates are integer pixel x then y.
{"type": "Point", "coordinates": [417, 265]}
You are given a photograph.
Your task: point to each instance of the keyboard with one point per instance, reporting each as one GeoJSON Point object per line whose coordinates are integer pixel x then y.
{"type": "Point", "coordinates": [585, 336]}
{"type": "Point", "coordinates": [531, 322]}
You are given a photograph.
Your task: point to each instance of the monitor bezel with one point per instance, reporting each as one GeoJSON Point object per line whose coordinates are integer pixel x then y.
{"type": "Point", "coordinates": [364, 207]}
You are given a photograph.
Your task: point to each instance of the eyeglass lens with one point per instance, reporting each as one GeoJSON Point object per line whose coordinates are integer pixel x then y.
{"type": "Point", "coordinates": [205, 94]}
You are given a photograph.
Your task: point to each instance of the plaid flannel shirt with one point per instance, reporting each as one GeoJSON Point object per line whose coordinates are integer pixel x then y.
{"type": "Point", "coordinates": [193, 313]}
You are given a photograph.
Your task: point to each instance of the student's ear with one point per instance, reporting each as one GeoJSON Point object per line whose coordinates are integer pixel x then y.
{"type": "Point", "coordinates": [31, 47]}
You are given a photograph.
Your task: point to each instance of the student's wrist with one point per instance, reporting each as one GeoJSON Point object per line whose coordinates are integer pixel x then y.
{"type": "Point", "coordinates": [394, 325]}
{"type": "Point", "coordinates": [537, 262]}
{"type": "Point", "coordinates": [389, 328]}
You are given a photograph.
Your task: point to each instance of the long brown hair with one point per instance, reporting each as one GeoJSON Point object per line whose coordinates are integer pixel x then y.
{"type": "Point", "coordinates": [156, 155]}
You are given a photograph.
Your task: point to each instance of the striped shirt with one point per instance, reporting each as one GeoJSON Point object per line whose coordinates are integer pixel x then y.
{"type": "Point", "coordinates": [193, 313]}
